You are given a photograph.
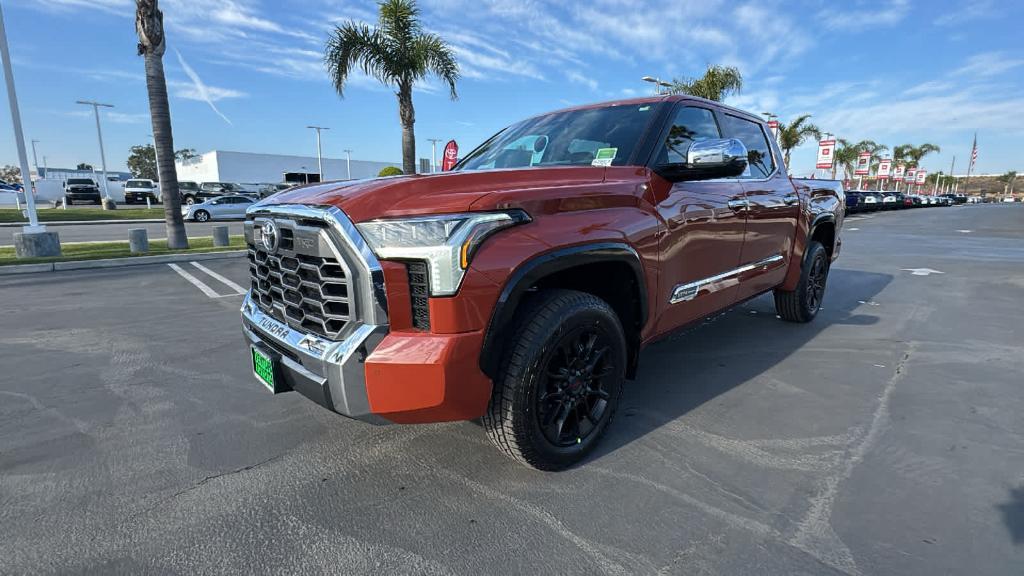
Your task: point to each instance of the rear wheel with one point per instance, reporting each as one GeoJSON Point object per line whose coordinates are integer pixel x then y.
{"type": "Point", "coordinates": [189, 200]}
{"type": "Point", "coordinates": [802, 304]}
{"type": "Point", "coordinates": [202, 215]}
{"type": "Point", "coordinates": [560, 381]}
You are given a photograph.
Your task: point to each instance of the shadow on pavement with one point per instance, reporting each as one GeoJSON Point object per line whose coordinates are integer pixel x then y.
{"type": "Point", "coordinates": [1013, 514]}
{"type": "Point", "coordinates": [686, 370]}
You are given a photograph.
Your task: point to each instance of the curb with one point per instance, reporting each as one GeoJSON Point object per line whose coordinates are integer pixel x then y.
{"type": "Point", "coordinates": [81, 223]}
{"type": "Point", "coordinates": [17, 269]}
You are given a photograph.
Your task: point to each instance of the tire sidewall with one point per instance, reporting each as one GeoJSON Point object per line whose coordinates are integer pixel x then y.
{"type": "Point", "coordinates": [814, 251]}
{"type": "Point", "coordinates": [202, 216]}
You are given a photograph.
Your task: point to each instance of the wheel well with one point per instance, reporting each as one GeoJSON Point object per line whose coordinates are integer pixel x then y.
{"type": "Point", "coordinates": [825, 233]}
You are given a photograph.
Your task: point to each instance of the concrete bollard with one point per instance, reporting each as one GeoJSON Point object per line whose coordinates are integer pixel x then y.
{"type": "Point", "coordinates": [138, 240]}
{"type": "Point", "coordinates": [220, 236]}
{"type": "Point", "coordinates": [36, 244]}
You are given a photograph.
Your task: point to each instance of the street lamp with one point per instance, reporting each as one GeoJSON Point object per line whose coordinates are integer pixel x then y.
{"type": "Point", "coordinates": [12, 97]}
{"type": "Point", "coordinates": [319, 156]}
{"type": "Point", "coordinates": [657, 83]}
{"type": "Point", "coordinates": [348, 163]}
{"type": "Point", "coordinates": [433, 153]}
{"type": "Point", "coordinates": [35, 159]}
{"type": "Point", "coordinates": [99, 134]}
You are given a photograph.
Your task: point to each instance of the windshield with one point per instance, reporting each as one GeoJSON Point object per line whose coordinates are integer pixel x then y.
{"type": "Point", "coordinates": [590, 137]}
{"type": "Point", "coordinates": [139, 184]}
{"type": "Point", "coordinates": [80, 182]}
{"type": "Point", "coordinates": [188, 186]}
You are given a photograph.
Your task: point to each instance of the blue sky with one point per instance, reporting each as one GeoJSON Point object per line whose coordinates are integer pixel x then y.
{"type": "Point", "coordinates": [246, 74]}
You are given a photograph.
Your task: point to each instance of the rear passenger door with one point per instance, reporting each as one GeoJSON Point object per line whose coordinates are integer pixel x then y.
{"type": "Point", "coordinates": [773, 208]}
{"type": "Point", "coordinates": [704, 226]}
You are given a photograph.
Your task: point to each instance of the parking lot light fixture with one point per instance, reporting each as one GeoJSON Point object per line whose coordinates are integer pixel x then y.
{"type": "Point", "coordinates": [658, 84]}
{"type": "Point", "coordinates": [99, 134]}
{"type": "Point", "coordinates": [319, 154]}
{"type": "Point", "coordinates": [348, 163]}
{"type": "Point", "coordinates": [12, 97]}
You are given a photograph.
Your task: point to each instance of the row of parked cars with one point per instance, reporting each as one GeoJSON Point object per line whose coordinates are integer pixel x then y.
{"type": "Point", "coordinates": [139, 190]}
{"type": "Point", "coordinates": [869, 201]}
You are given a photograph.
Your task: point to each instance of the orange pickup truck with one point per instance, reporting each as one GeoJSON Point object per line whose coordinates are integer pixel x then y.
{"type": "Point", "coordinates": [520, 287]}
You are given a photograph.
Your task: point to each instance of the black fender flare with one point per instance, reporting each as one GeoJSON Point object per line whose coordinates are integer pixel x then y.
{"type": "Point", "coordinates": [823, 218]}
{"type": "Point", "coordinates": [538, 267]}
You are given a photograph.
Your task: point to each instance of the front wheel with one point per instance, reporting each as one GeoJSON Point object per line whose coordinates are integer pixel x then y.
{"type": "Point", "coordinates": [560, 381]}
{"type": "Point", "coordinates": [802, 304]}
{"type": "Point", "coordinates": [202, 215]}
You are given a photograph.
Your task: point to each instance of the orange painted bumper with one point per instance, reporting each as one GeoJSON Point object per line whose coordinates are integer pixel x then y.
{"type": "Point", "coordinates": [416, 378]}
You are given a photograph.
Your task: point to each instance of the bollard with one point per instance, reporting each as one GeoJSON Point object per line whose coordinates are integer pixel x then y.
{"type": "Point", "coordinates": [64, 200]}
{"type": "Point", "coordinates": [148, 207]}
{"type": "Point", "coordinates": [220, 236]}
{"type": "Point", "coordinates": [138, 241]}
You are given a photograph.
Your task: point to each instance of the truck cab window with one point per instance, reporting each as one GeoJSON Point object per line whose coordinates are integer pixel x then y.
{"type": "Point", "coordinates": [760, 161]}
{"type": "Point", "coordinates": [689, 125]}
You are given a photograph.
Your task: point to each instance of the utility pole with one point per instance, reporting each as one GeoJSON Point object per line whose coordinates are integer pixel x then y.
{"type": "Point", "coordinates": [35, 161]}
{"type": "Point", "coordinates": [99, 134]}
{"type": "Point", "coordinates": [12, 97]}
{"type": "Point", "coordinates": [952, 165]}
{"type": "Point", "coordinates": [348, 163]}
{"type": "Point", "coordinates": [433, 153]}
{"type": "Point", "coordinates": [319, 155]}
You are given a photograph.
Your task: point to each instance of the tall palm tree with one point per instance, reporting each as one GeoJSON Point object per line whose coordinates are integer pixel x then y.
{"type": "Point", "coordinates": [917, 153]}
{"type": "Point", "coordinates": [717, 83]}
{"type": "Point", "coordinates": [149, 25]}
{"type": "Point", "coordinates": [398, 53]}
{"type": "Point", "coordinates": [794, 134]}
{"type": "Point", "coordinates": [845, 157]}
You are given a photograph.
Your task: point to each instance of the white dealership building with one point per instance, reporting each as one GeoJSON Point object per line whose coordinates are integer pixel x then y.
{"type": "Point", "coordinates": [249, 167]}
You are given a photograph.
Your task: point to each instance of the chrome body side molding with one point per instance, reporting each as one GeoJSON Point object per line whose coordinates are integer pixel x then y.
{"type": "Point", "coordinates": [687, 292]}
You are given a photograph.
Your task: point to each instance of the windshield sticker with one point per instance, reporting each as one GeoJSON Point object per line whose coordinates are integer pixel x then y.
{"type": "Point", "coordinates": [604, 156]}
{"type": "Point", "coordinates": [644, 109]}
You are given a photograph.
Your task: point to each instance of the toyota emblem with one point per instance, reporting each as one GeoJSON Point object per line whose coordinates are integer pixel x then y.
{"type": "Point", "coordinates": [269, 236]}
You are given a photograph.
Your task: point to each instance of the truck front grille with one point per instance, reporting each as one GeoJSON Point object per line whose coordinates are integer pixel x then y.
{"type": "Point", "coordinates": [308, 293]}
{"type": "Point", "coordinates": [419, 291]}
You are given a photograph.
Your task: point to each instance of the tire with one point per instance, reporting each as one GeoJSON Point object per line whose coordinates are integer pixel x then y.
{"type": "Point", "coordinates": [189, 200]}
{"type": "Point", "coordinates": [802, 304]}
{"type": "Point", "coordinates": [201, 216]}
{"type": "Point", "coordinates": [560, 380]}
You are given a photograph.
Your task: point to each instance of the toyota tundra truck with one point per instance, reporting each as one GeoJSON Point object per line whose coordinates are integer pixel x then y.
{"type": "Point", "coordinates": [520, 287]}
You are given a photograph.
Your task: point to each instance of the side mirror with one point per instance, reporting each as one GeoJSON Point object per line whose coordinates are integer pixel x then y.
{"type": "Point", "coordinates": [709, 159]}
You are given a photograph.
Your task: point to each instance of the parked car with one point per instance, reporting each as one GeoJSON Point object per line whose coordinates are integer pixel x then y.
{"type": "Point", "coordinates": [871, 201]}
{"type": "Point", "coordinates": [138, 190]}
{"type": "Point", "coordinates": [11, 186]}
{"type": "Point", "coordinates": [81, 190]}
{"type": "Point", "coordinates": [219, 208]}
{"type": "Point", "coordinates": [852, 201]}
{"type": "Point", "coordinates": [210, 190]}
{"type": "Point", "coordinates": [188, 192]}
{"type": "Point", "coordinates": [1009, 199]}
{"type": "Point", "coordinates": [520, 287]}
{"type": "Point", "coordinates": [271, 189]}
{"type": "Point", "coordinates": [892, 200]}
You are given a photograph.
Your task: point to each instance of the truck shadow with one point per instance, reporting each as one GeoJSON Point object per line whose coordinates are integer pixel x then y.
{"type": "Point", "coordinates": [1013, 514]}
{"type": "Point", "coordinates": [686, 370]}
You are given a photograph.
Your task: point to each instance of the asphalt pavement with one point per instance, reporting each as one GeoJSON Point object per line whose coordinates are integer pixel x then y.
{"type": "Point", "coordinates": [119, 231]}
{"type": "Point", "coordinates": [884, 438]}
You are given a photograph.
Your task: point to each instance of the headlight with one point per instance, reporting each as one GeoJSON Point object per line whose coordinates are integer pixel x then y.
{"type": "Point", "coordinates": [446, 243]}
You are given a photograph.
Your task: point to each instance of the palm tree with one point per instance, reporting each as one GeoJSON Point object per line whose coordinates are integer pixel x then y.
{"type": "Point", "coordinates": [794, 134]}
{"type": "Point", "coordinates": [149, 25]}
{"type": "Point", "coordinates": [917, 153]}
{"type": "Point", "coordinates": [717, 83]}
{"type": "Point", "coordinates": [398, 53]}
{"type": "Point", "coordinates": [845, 157]}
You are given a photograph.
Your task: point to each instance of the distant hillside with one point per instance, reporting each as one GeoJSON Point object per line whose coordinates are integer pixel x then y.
{"type": "Point", "coordinates": [989, 186]}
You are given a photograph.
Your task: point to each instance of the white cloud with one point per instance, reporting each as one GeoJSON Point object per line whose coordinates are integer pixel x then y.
{"type": "Point", "coordinates": [966, 11]}
{"type": "Point", "coordinates": [579, 78]}
{"type": "Point", "coordinates": [887, 13]}
{"type": "Point", "coordinates": [989, 64]}
{"type": "Point", "coordinates": [929, 87]}
{"type": "Point", "coordinates": [202, 92]}
{"type": "Point", "coordinates": [188, 91]}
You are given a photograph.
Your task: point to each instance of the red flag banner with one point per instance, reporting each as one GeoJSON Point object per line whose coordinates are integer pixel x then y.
{"type": "Point", "coordinates": [863, 164]}
{"type": "Point", "coordinates": [898, 172]}
{"type": "Point", "coordinates": [451, 156]}
{"type": "Point", "coordinates": [826, 154]}
{"type": "Point", "coordinates": [884, 169]}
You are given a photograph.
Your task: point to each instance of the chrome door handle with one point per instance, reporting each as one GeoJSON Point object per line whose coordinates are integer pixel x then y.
{"type": "Point", "coordinates": [791, 199]}
{"type": "Point", "coordinates": [737, 205]}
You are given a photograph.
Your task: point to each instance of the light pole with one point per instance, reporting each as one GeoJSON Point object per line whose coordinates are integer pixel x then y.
{"type": "Point", "coordinates": [657, 83]}
{"type": "Point", "coordinates": [433, 153]}
{"type": "Point", "coordinates": [319, 156]}
{"type": "Point", "coordinates": [99, 134]}
{"type": "Point", "coordinates": [35, 160]}
{"type": "Point", "coordinates": [348, 163]}
{"type": "Point", "coordinates": [12, 98]}
{"type": "Point", "coordinates": [773, 123]}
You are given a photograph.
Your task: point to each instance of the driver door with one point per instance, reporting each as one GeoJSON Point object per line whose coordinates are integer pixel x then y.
{"type": "Point", "coordinates": [705, 224]}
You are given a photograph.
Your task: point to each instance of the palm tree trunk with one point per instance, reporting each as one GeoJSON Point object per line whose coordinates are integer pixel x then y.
{"type": "Point", "coordinates": [407, 115]}
{"type": "Point", "coordinates": [786, 159]}
{"type": "Point", "coordinates": [160, 112]}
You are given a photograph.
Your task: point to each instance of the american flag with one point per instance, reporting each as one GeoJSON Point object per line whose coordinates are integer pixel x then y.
{"type": "Point", "coordinates": [974, 153]}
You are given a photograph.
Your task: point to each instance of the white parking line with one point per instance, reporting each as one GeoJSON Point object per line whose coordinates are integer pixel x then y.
{"type": "Point", "coordinates": [226, 281]}
{"type": "Point", "coordinates": [195, 281]}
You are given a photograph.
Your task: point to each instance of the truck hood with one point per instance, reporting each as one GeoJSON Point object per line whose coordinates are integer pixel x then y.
{"type": "Point", "coordinates": [424, 194]}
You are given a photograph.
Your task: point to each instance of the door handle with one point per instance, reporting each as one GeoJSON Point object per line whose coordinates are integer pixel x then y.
{"type": "Point", "coordinates": [791, 199]}
{"type": "Point", "coordinates": [738, 205]}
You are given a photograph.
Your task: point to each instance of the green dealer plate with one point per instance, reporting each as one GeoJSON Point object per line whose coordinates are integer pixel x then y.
{"type": "Point", "coordinates": [263, 368]}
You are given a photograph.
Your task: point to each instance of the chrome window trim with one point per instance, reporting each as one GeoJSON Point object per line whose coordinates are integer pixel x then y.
{"type": "Point", "coordinates": [689, 291]}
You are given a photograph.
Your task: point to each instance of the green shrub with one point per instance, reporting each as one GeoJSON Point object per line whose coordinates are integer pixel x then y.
{"type": "Point", "coordinates": [391, 171]}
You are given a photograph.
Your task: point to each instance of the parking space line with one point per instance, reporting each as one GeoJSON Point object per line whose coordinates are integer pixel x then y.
{"type": "Point", "coordinates": [195, 281]}
{"type": "Point", "coordinates": [226, 281]}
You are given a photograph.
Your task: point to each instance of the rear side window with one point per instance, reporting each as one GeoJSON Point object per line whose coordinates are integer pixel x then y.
{"type": "Point", "coordinates": [690, 125]}
{"type": "Point", "coordinates": [761, 163]}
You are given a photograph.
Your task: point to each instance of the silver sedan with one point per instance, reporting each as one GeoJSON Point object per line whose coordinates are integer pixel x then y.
{"type": "Point", "coordinates": [230, 207]}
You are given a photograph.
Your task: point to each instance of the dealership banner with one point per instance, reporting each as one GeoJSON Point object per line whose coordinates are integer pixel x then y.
{"type": "Point", "coordinates": [911, 176]}
{"type": "Point", "coordinates": [921, 175]}
{"type": "Point", "coordinates": [863, 164]}
{"type": "Point", "coordinates": [826, 153]}
{"type": "Point", "coordinates": [773, 125]}
{"type": "Point", "coordinates": [884, 168]}
{"type": "Point", "coordinates": [898, 173]}
{"type": "Point", "coordinates": [451, 156]}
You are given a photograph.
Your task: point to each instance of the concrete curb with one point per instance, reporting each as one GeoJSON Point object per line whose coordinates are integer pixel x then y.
{"type": "Point", "coordinates": [82, 223]}
{"type": "Point", "coordinates": [15, 269]}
